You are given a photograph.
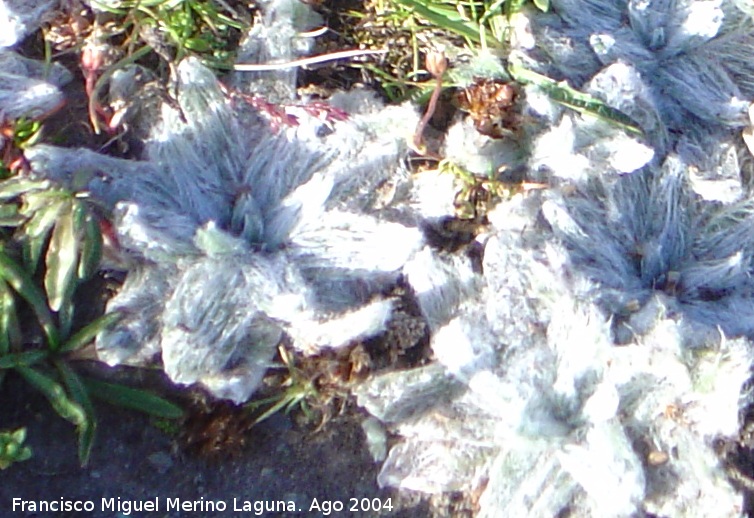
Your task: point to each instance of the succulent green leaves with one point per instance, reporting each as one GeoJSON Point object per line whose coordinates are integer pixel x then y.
{"type": "Point", "coordinates": [12, 447]}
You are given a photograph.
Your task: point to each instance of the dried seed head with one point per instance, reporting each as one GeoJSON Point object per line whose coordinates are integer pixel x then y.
{"type": "Point", "coordinates": [436, 63]}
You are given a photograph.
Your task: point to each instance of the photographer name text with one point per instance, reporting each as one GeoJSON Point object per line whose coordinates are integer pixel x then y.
{"type": "Point", "coordinates": [157, 504]}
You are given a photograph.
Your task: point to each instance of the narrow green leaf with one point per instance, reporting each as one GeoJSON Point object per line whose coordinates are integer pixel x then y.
{"type": "Point", "coordinates": [61, 261]}
{"type": "Point", "coordinates": [17, 186]}
{"type": "Point", "coordinates": [542, 5]}
{"type": "Point", "coordinates": [36, 230]}
{"type": "Point", "coordinates": [55, 394]}
{"type": "Point", "coordinates": [564, 94]}
{"type": "Point", "coordinates": [65, 318]}
{"type": "Point", "coordinates": [20, 281]}
{"type": "Point", "coordinates": [10, 333]}
{"type": "Point", "coordinates": [88, 333]}
{"type": "Point", "coordinates": [78, 392]}
{"type": "Point", "coordinates": [35, 201]}
{"type": "Point", "coordinates": [132, 398]}
{"type": "Point", "coordinates": [91, 246]}
{"type": "Point", "coordinates": [22, 359]}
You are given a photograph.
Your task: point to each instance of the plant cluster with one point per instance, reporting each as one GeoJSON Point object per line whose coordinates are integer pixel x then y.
{"type": "Point", "coordinates": [12, 449]}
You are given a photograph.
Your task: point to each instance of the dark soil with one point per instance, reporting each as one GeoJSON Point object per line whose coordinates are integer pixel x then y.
{"type": "Point", "coordinates": [133, 460]}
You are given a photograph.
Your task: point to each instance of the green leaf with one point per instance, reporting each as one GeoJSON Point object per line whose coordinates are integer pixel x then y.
{"type": "Point", "coordinates": [61, 261]}
{"type": "Point", "coordinates": [22, 359]}
{"type": "Point", "coordinates": [36, 230]}
{"type": "Point", "coordinates": [132, 398]}
{"type": "Point", "coordinates": [12, 448]}
{"type": "Point", "coordinates": [88, 333]}
{"type": "Point", "coordinates": [20, 281]}
{"type": "Point", "coordinates": [91, 246]}
{"type": "Point", "coordinates": [9, 216]}
{"type": "Point", "coordinates": [55, 394]}
{"type": "Point", "coordinates": [197, 44]}
{"type": "Point", "coordinates": [35, 201]}
{"type": "Point", "coordinates": [542, 5]}
{"type": "Point", "coordinates": [78, 392]}
{"type": "Point", "coordinates": [562, 93]}
{"type": "Point", "coordinates": [65, 319]}
{"type": "Point", "coordinates": [10, 333]}
{"type": "Point", "coordinates": [16, 186]}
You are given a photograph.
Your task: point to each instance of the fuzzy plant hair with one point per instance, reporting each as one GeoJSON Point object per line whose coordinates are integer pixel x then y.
{"type": "Point", "coordinates": [246, 222]}
{"type": "Point", "coordinates": [529, 397]}
{"type": "Point", "coordinates": [693, 55]}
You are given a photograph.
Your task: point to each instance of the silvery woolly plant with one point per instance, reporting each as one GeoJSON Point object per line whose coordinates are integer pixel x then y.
{"type": "Point", "coordinates": [236, 234]}
{"type": "Point", "coordinates": [693, 55]}
{"type": "Point", "coordinates": [531, 400]}
{"type": "Point", "coordinates": [530, 397]}
{"type": "Point", "coordinates": [240, 236]}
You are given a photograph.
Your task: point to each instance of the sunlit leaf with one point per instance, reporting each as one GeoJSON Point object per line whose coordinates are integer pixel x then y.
{"type": "Point", "coordinates": [16, 186]}
{"type": "Point", "coordinates": [132, 398]}
{"type": "Point", "coordinates": [55, 394]}
{"type": "Point", "coordinates": [61, 261]}
{"type": "Point", "coordinates": [20, 281]}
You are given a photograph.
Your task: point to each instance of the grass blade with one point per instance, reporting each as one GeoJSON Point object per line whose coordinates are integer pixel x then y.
{"type": "Point", "coordinates": [55, 394]}
{"type": "Point", "coordinates": [132, 398]}
{"type": "Point", "coordinates": [20, 281]}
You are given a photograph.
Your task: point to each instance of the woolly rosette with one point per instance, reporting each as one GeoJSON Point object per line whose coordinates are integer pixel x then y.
{"type": "Point", "coordinates": [237, 234]}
